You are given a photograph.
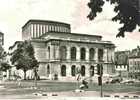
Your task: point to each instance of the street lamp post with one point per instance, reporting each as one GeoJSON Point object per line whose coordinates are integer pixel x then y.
{"type": "Point", "coordinates": [101, 87]}
{"type": "Point", "coordinates": [35, 76]}
{"type": "Point", "coordinates": [100, 73]}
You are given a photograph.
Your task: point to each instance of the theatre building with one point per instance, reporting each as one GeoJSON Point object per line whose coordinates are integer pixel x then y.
{"type": "Point", "coordinates": [61, 52]}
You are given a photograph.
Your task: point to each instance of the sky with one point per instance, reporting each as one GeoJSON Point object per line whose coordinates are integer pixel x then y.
{"type": "Point", "coordinates": [15, 13]}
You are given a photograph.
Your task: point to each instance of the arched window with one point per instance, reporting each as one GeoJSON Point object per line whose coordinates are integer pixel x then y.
{"type": "Point", "coordinates": [83, 53]}
{"type": "Point", "coordinates": [73, 53]}
{"type": "Point", "coordinates": [63, 70]}
{"type": "Point", "coordinates": [83, 70]}
{"type": "Point", "coordinates": [48, 52]}
{"type": "Point", "coordinates": [100, 54]}
{"type": "Point", "coordinates": [91, 54]}
{"type": "Point", "coordinates": [91, 70]}
{"type": "Point", "coordinates": [73, 70]}
{"type": "Point", "coordinates": [48, 70]}
{"type": "Point", "coordinates": [63, 52]}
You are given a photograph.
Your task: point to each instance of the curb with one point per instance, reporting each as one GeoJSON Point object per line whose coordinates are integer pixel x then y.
{"type": "Point", "coordinates": [123, 97]}
{"type": "Point", "coordinates": [105, 96]}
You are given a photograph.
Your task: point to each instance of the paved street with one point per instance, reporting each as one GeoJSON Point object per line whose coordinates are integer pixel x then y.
{"type": "Point", "coordinates": [26, 91]}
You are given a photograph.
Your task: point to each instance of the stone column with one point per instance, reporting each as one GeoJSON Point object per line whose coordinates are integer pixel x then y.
{"type": "Point", "coordinates": [78, 53]}
{"type": "Point", "coordinates": [112, 54]}
{"type": "Point", "coordinates": [47, 53]}
{"type": "Point", "coordinates": [52, 52]}
{"type": "Point", "coordinates": [46, 28]}
{"type": "Point", "coordinates": [34, 33]}
{"type": "Point", "coordinates": [87, 71]}
{"type": "Point", "coordinates": [40, 28]}
{"type": "Point", "coordinates": [68, 53]}
{"type": "Point", "coordinates": [31, 30]}
{"type": "Point", "coordinates": [87, 54]}
{"type": "Point", "coordinates": [96, 54]}
{"type": "Point", "coordinates": [105, 55]}
{"type": "Point", "coordinates": [68, 70]}
{"type": "Point", "coordinates": [55, 47]}
{"type": "Point", "coordinates": [57, 52]}
{"type": "Point", "coordinates": [109, 55]}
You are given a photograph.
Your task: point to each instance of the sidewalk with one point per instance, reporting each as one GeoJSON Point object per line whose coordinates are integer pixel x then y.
{"type": "Point", "coordinates": [89, 94]}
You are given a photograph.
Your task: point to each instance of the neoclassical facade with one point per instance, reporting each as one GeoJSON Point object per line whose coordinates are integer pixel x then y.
{"type": "Point", "coordinates": [61, 52]}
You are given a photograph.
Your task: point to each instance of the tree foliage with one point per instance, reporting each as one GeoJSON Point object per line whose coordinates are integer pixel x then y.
{"type": "Point", "coordinates": [128, 13]}
{"type": "Point", "coordinates": [2, 53]}
{"type": "Point", "coordinates": [5, 66]}
{"type": "Point", "coordinates": [22, 56]}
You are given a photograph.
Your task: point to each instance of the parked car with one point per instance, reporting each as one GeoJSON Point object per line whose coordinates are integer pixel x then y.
{"type": "Point", "coordinates": [127, 82]}
{"type": "Point", "coordinates": [114, 80]}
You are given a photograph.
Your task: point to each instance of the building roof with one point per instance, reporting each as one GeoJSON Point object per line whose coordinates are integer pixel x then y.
{"type": "Point", "coordinates": [71, 34]}
{"type": "Point", "coordinates": [46, 21]}
{"type": "Point", "coordinates": [73, 37]}
{"type": "Point", "coordinates": [126, 51]}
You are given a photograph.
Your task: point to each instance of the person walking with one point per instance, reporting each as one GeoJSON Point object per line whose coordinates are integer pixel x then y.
{"type": "Point", "coordinates": [84, 85]}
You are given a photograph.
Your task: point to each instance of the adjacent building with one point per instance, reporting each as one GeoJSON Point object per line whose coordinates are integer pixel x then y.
{"type": "Point", "coordinates": [134, 69]}
{"type": "Point", "coordinates": [1, 44]}
{"type": "Point", "coordinates": [121, 63]}
{"type": "Point", "coordinates": [60, 52]}
{"type": "Point", "coordinates": [134, 63]}
{"type": "Point", "coordinates": [1, 38]}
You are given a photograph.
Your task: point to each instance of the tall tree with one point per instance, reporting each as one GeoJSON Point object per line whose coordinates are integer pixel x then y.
{"type": "Point", "coordinates": [3, 54]}
{"type": "Point", "coordinates": [128, 13]}
{"type": "Point", "coordinates": [22, 56]}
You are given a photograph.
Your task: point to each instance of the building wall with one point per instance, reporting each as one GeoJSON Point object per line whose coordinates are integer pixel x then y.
{"type": "Point", "coordinates": [53, 43]}
{"type": "Point", "coordinates": [53, 58]}
{"type": "Point", "coordinates": [40, 51]}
